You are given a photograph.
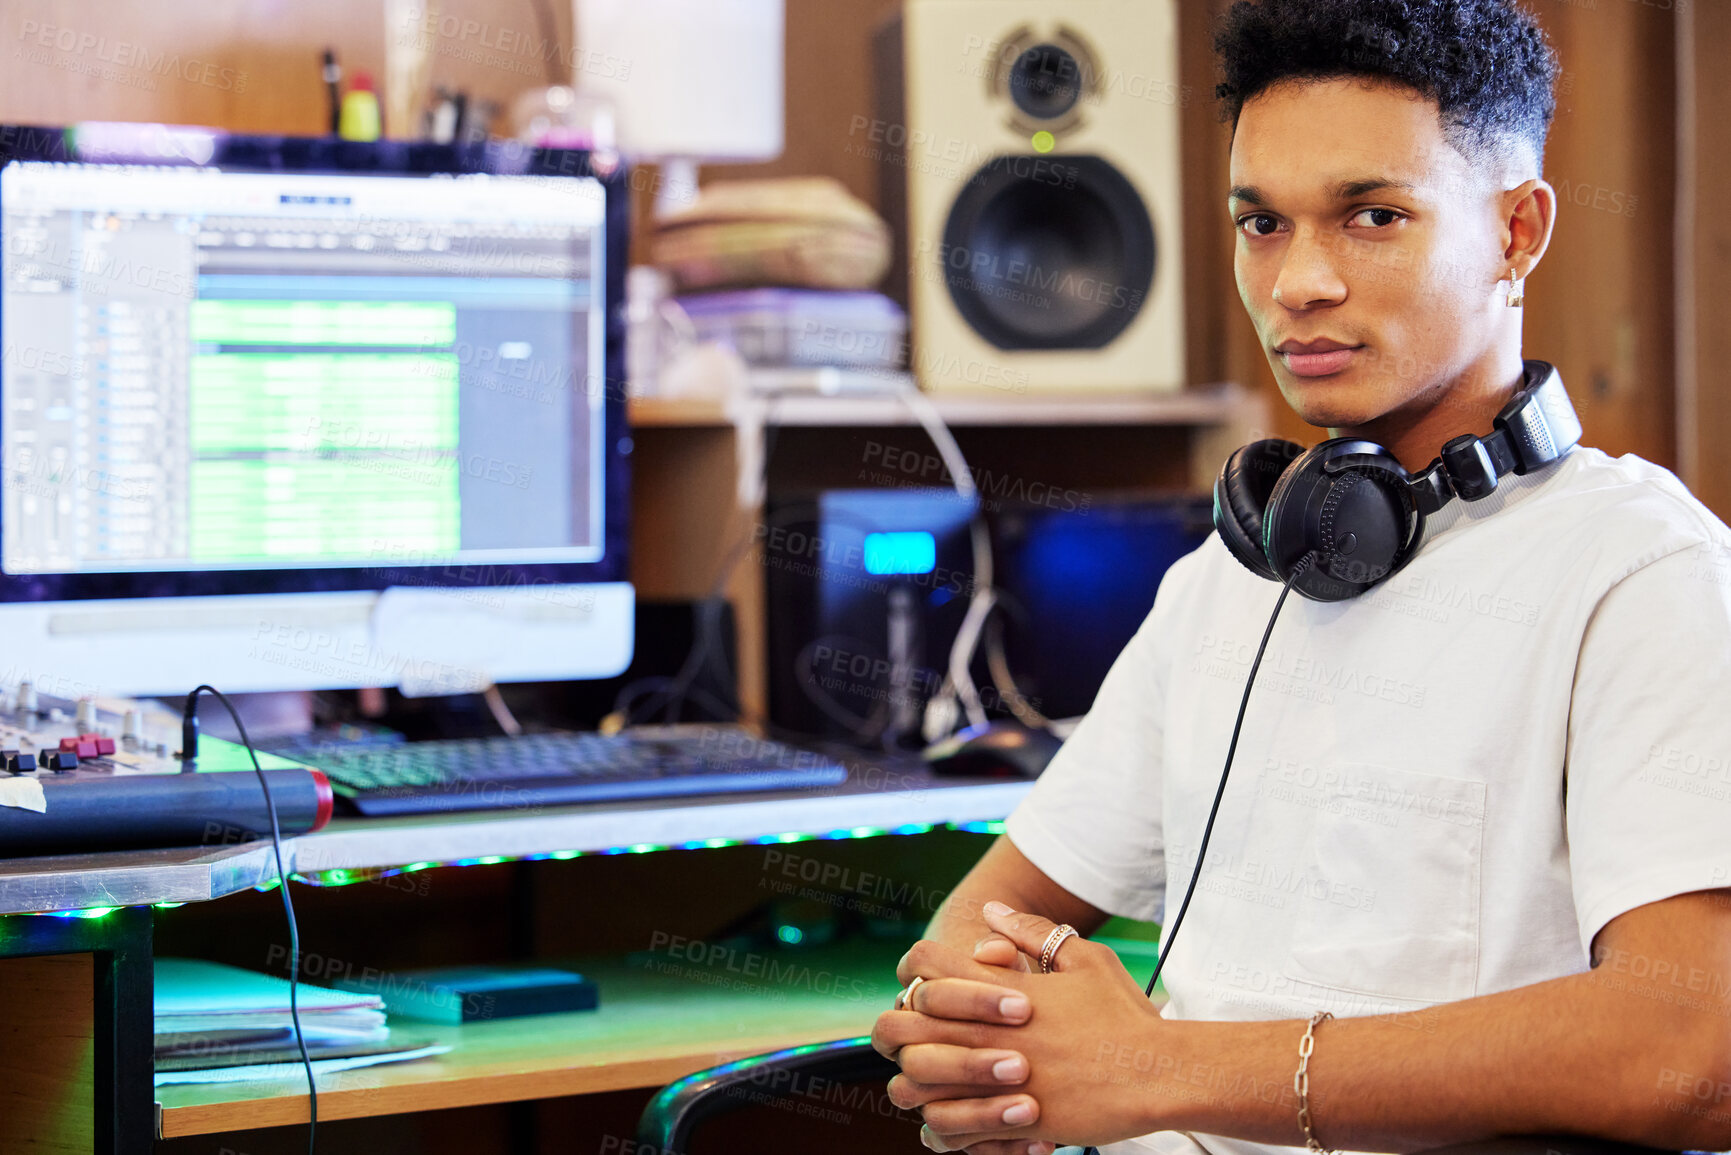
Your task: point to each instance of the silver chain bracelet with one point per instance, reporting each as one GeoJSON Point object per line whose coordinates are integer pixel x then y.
{"type": "Point", "coordinates": [1301, 1083]}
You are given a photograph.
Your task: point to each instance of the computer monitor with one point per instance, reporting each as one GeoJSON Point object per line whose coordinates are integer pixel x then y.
{"type": "Point", "coordinates": [291, 413]}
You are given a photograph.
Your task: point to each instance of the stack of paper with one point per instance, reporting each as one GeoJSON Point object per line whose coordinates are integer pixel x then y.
{"type": "Point", "coordinates": [209, 1016]}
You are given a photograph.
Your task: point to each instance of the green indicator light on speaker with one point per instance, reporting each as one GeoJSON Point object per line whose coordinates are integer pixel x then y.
{"type": "Point", "coordinates": [1043, 141]}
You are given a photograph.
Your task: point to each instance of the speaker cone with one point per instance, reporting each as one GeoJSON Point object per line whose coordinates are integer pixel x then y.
{"type": "Point", "coordinates": [1048, 252]}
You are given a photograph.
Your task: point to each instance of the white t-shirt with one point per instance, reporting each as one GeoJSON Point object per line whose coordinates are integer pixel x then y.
{"type": "Point", "coordinates": [1444, 788]}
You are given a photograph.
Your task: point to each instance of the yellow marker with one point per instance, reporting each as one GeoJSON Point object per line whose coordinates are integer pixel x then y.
{"type": "Point", "coordinates": [1044, 141]}
{"type": "Point", "coordinates": [359, 116]}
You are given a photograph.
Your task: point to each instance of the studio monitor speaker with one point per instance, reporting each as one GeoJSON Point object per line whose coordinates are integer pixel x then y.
{"type": "Point", "coordinates": [1043, 228]}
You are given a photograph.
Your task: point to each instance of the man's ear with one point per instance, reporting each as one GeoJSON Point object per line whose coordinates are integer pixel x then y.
{"type": "Point", "coordinates": [1530, 214]}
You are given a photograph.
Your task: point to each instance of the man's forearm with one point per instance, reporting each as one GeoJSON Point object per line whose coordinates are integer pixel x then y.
{"type": "Point", "coordinates": [1005, 875]}
{"type": "Point", "coordinates": [1573, 1055]}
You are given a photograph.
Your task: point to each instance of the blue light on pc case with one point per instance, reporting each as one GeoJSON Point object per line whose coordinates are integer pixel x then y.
{"type": "Point", "coordinates": [904, 552]}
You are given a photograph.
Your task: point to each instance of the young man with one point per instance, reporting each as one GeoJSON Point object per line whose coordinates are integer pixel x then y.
{"type": "Point", "coordinates": [1479, 813]}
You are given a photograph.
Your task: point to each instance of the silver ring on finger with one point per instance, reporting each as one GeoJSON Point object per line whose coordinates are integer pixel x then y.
{"type": "Point", "coordinates": [1062, 933]}
{"type": "Point", "coordinates": [905, 998]}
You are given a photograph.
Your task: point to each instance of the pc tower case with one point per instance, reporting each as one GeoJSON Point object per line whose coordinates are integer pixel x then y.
{"type": "Point", "coordinates": [866, 590]}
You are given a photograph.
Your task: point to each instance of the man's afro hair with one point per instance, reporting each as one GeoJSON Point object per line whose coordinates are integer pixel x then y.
{"type": "Point", "coordinates": [1485, 63]}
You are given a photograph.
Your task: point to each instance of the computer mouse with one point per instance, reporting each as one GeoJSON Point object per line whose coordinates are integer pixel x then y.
{"type": "Point", "coordinates": [997, 749]}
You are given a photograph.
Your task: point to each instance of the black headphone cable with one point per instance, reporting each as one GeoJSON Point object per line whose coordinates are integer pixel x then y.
{"type": "Point", "coordinates": [189, 752]}
{"type": "Point", "coordinates": [1169, 936]}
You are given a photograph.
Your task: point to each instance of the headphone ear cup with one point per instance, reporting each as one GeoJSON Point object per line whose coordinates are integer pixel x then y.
{"type": "Point", "coordinates": [1241, 494]}
{"type": "Point", "coordinates": [1359, 524]}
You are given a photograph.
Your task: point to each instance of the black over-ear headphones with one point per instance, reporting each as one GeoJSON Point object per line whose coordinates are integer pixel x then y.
{"type": "Point", "coordinates": [1353, 509]}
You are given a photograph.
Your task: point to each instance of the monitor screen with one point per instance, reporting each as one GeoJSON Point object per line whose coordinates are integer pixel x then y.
{"type": "Point", "coordinates": [270, 365]}
{"type": "Point", "coordinates": [213, 370]}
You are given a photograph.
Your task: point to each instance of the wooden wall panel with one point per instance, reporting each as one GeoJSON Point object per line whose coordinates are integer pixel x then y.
{"type": "Point", "coordinates": [47, 1055]}
{"type": "Point", "coordinates": [253, 65]}
{"type": "Point", "coordinates": [248, 65]}
{"type": "Point", "coordinates": [1704, 230]}
{"type": "Point", "coordinates": [1601, 306]}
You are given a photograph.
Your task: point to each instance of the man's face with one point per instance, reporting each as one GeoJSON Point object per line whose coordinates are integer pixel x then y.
{"type": "Point", "coordinates": [1368, 248]}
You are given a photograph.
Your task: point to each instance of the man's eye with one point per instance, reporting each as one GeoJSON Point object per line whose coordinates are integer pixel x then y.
{"type": "Point", "coordinates": [1258, 224]}
{"type": "Point", "coordinates": [1376, 218]}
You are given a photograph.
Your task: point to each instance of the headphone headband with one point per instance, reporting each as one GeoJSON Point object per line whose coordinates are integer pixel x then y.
{"type": "Point", "coordinates": [1537, 426]}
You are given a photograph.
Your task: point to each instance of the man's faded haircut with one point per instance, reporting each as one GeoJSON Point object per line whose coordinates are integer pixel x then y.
{"type": "Point", "coordinates": [1485, 64]}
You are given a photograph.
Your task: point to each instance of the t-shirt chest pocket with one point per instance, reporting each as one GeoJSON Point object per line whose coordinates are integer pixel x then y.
{"type": "Point", "coordinates": [1389, 892]}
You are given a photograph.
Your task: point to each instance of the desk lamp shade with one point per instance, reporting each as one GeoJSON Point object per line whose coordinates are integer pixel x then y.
{"type": "Point", "coordinates": [690, 80]}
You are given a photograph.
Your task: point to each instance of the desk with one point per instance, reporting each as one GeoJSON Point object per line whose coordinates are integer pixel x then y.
{"type": "Point", "coordinates": [653, 1027]}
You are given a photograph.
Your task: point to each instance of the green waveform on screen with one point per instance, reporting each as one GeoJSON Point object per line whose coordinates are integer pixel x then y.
{"type": "Point", "coordinates": [252, 322]}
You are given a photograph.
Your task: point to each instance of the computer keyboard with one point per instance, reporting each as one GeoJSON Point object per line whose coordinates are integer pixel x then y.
{"type": "Point", "coordinates": [534, 770]}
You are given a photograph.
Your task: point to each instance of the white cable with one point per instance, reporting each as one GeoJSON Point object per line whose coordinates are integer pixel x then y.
{"type": "Point", "coordinates": [500, 711]}
{"type": "Point", "coordinates": [940, 717]}
{"type": "Point", "coordinates": [928, 416]}
{"type": "Point", "coordinates": [1010, 693]}
{"type": "Point", "coordinates": [973, 624]}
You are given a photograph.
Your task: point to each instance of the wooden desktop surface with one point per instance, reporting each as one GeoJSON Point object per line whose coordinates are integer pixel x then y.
{"type": "Point", "coordinates": [663, 1014]}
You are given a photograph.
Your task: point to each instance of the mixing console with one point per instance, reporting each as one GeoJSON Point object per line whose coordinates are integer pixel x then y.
{"type": "Point", "coordinates": [87, 775]}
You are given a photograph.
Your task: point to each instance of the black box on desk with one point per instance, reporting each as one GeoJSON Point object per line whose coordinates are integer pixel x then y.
{"type": "Point", "coordinates": [866, 591]}
{"type": "Point", "coordinates": [470, 994]}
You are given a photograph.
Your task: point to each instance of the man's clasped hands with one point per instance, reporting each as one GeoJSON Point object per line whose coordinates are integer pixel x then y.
{"type": "Point", "coordinates": [1002, 1060]}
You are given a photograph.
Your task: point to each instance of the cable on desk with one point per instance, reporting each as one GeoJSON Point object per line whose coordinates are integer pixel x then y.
{"type": "Point", "coordinates": [188, 753]}
{"type": "Point", "coordinates": [1169, 935]}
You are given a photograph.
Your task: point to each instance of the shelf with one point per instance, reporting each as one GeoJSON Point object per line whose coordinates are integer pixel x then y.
{"type": "Point", "coordinates": [358, 844]}
{"type": "Point", "coordinates": [200, 874]}
{"type": "Point", "coordinates": [659, 1020]}
{"type": "Point", "coordinates": [132, 877]}
{"type": "Point", "coordinates": [1210, 405]}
